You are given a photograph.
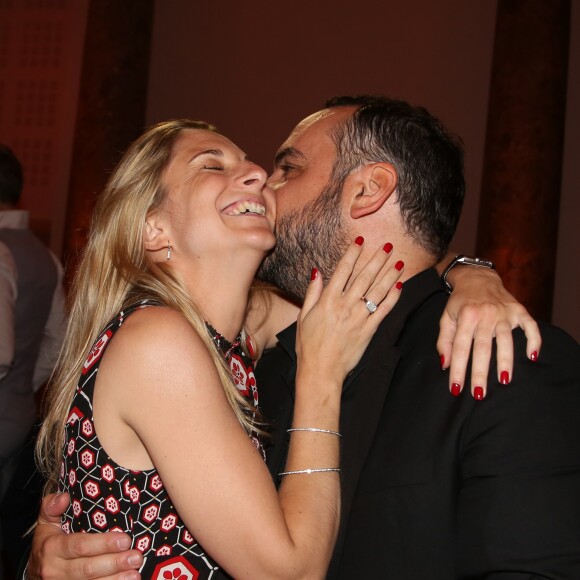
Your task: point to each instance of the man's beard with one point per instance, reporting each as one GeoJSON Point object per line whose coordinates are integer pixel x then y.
{"type": "Point", "coordinates": [312, 236]}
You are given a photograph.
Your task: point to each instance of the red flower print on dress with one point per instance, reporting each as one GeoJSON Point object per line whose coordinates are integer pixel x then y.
{"type": "Point", "coordinates": [96, 351]}
{"type": "Point", "coordinates": [175, 573]}
{"type": "Point", "coordinates": [240, 374]}
{"type": "Point", "coordinates": [177, 568]}
{"type": "Point", "coordinates": [74, 415]}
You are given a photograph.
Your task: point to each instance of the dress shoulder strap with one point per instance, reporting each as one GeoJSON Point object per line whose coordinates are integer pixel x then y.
{"type": "Point", "coordinates": [100, 345]}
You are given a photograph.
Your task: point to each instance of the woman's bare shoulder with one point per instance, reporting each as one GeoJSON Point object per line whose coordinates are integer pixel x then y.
{"type": "Point", "coordinates": [155, 337]}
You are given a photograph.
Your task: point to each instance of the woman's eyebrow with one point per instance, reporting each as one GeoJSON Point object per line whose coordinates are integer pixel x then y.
{"type": "Point", "coordinates": [216, 152]}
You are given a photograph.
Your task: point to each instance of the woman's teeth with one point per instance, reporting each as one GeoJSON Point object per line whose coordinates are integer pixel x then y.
{"type": "Point", "coordinates": [248, 207]}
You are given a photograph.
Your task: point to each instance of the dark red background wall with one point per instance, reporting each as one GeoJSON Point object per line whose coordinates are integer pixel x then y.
{"type": "Point", "coordinates": [255, 68]}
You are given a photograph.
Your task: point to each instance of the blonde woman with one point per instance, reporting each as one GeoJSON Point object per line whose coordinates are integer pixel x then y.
{"type": "Point", "coordinates": [148, 430]}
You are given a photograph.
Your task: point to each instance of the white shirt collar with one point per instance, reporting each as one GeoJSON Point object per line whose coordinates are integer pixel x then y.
{"type": "Point", "coordinates": [15, 219]}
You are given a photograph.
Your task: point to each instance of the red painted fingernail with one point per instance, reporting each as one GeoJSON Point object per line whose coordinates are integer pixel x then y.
{"type": "Point", "coordinates": [478, 393]}
{"type": "Point", "coordinates": [534, 356]}
{"type": "Point", "coordinates": [504, 378]}
{"type": "Point", "coordinates": [359, 241]}
{"type": "Point", "coordinates": [313, 274]}
{"type": "Point", "coordinates": [399, 285]}
{"type": "Point", "coordinates": [442, 361]}
{"type": "Point", "coordinates": [455, 389]}
{"type": "Point", "coordinates": [399, 265]}
{"type": "Point", "coordinates": [387, 248]}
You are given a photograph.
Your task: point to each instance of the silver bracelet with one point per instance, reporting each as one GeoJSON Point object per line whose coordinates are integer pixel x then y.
{"type": "Point", "coordinates": [309, 471]}
{"type": "Point", "coordinates": [315, 430]}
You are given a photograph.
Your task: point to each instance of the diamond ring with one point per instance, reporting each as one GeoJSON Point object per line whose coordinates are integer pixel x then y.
{"type": "Point", "coordinates": [371, 306]}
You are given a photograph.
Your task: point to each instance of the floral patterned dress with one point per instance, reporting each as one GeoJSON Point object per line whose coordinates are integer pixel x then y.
{"type": "Point", "coordinates": [108, 497]}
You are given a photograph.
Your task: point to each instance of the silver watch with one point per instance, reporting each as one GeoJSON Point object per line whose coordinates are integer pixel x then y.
{"type": "Point", "coordinates": [466, 261]}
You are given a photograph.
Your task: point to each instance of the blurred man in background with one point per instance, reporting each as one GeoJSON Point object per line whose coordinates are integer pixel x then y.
{"type": "Point", "coordinates": [31, 330]}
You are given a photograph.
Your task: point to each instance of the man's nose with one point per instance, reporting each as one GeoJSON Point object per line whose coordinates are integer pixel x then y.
{"type": "Point", "coordinates": [272, 182]}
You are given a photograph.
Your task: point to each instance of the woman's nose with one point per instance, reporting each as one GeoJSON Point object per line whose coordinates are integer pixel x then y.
{"type": "Point", "coordinates": [255, 175]}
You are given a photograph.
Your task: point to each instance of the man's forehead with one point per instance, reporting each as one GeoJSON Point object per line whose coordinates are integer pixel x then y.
{"type": "Point", "coordinates": [315, 126]}
{"type": "Point", "coordinates": [311, 120]}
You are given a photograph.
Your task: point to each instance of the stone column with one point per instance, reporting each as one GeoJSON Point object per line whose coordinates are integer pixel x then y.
{"type": "Point", "coordinates": [111, 109]}
{"type": "Point", "coordinates": [520, 196]}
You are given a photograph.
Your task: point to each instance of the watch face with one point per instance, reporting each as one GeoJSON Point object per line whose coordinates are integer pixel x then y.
{"type": "Point", "coordinates": [467, 261]}
{"type": "Point", "coordinates": [474, 261]}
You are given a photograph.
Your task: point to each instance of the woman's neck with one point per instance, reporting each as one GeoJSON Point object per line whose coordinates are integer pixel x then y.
{"type": "Point", "coordinates": [221, 293]}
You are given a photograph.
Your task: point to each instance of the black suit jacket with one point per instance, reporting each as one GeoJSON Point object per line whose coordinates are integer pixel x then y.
{"type": "Point", "coordinates": [438, 487]}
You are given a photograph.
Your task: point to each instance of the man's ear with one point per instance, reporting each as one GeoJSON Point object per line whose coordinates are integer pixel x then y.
{"type": "Point", "coordinates": [375, 184]}
{"type": "Point", "coordinates": [154, 235]}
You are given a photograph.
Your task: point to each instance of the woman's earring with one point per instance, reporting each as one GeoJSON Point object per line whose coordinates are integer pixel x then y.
{"type": "Point", "coordinates": [168, 251]}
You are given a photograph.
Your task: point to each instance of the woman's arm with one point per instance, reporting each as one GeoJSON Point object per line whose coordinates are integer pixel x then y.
{"type": "Point", "coordinates": [217, 480]}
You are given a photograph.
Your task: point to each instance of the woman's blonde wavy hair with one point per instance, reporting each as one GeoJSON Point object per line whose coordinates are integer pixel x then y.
{"type": "Point", "coordinates": [114, 273]}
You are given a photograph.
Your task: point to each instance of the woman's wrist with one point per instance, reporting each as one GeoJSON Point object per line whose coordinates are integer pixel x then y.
{"type": "Point", "coordinates": [324, 375]}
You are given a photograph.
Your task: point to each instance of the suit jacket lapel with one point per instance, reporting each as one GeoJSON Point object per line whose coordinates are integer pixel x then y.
{"type": "Point", "coordinates": [276, 372]}
{"type": "Point", "coordinates": [365, 395]}
{"type": "Point", "coordinates": [362, 405]}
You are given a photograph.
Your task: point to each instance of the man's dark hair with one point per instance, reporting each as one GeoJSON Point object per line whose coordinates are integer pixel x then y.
{"type": "Point", "coordinates": [427, 158]}
{"type": "Point", "coordinates": [10, 176]}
